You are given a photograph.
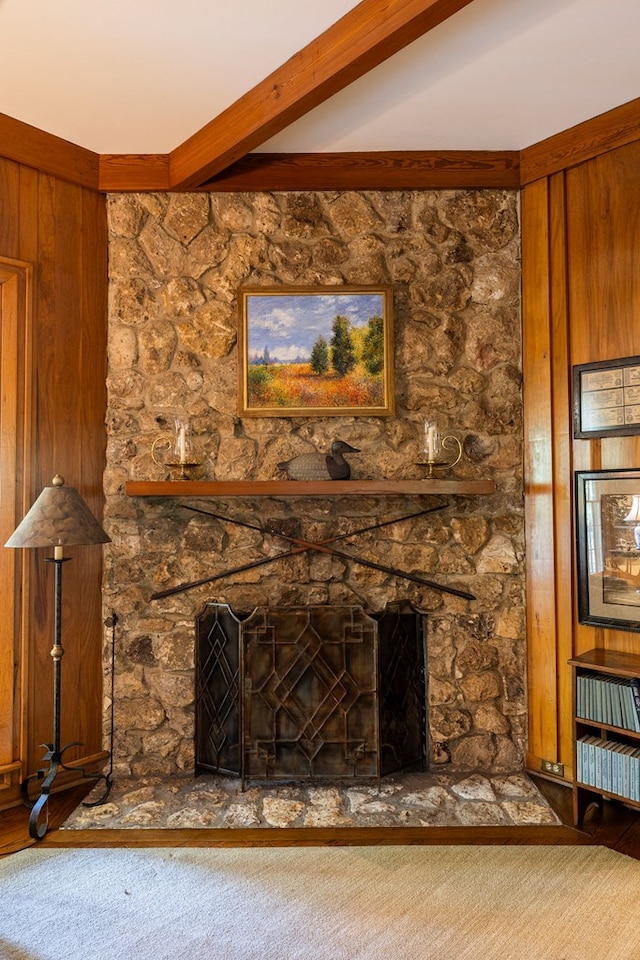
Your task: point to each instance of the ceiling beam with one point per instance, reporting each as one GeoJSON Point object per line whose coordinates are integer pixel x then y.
{"type": "Point", "coordinates": [121, 172]}
{"type": "Point", "coordinates": [366, 36]}
{"type": "Point", "coordinates": [45, 152]}
{"type": "Point", "coordinates": [390, 170]}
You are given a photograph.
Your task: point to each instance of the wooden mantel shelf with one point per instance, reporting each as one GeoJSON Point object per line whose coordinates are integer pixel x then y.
{"type": "Point", "coordinates": [306, 488]}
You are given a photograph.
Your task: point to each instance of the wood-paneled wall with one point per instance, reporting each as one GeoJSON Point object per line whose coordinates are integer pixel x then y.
{"type": "Point", "coordinates": [581, 303]}
{"type": "Point", "coordinates": [59, 230]}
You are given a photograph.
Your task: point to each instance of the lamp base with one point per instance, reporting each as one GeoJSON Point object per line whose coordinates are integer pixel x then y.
{"type": "Point", "coordinates": [39, 817]}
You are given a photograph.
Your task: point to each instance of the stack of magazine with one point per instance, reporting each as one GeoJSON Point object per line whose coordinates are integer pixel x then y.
{"type": "Point", "coordinates": [614, 701]}
{"type": "Point", "coordinates": [610, 766]}
{"type": "Point", "coordinates": [606, 764]}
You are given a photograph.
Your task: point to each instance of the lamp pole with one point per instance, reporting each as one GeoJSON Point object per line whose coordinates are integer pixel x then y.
{"type": "Point", "coordinates": [39, 818]}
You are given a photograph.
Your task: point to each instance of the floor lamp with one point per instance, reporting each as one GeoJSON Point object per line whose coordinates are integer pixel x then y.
{"type": "Point", "coordinates": [59, 518]}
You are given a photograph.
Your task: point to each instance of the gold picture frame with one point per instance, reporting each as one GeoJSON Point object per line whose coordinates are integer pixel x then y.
{"type": "Point", "coordinates": [316, 351]}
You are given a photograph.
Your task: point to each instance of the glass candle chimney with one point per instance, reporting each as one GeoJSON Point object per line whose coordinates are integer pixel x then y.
{"type": "Point", "coordinates": [183, 448]}
{"type": "Point", "coordinates": [431, 441]}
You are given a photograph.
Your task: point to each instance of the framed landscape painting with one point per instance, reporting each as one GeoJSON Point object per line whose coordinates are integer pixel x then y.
{"type": "Point", "coordinates": [316, 351]}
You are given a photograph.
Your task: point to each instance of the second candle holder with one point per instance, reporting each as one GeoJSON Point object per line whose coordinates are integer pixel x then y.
{"type": "Point", "coordinates": [183, 456]}
{"type": "Point", "coordinates": [436, 449]}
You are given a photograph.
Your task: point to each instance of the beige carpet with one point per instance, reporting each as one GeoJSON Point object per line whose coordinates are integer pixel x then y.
{"type": "Point", "coordinates": [343, 903]}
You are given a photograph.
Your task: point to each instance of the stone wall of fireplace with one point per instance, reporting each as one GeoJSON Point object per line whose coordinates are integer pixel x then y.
{"type": "Point", "coordinates": [177, 262]}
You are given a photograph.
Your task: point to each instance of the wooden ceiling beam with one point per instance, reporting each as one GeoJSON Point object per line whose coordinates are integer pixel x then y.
{"type": "Point", "coordinates": [378, 170]}
{"type": "Point", "coordinates": [366, 36]}
{"type": "Point", "coordinates": [45, 152]}
{"type": "Point", "coordinates": [126, 172]}
{"type": "Point", "coordinates": [390, 170]}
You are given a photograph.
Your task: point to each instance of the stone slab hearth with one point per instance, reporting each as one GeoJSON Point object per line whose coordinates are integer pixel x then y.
{"type": "Point", "coordinates": [410, 800]}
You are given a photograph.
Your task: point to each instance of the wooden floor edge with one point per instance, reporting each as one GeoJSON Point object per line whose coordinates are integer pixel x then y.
{"type": "Point", "coordinates": [16, 846]}
{"type": "Point", "coordinates": [318, 837]}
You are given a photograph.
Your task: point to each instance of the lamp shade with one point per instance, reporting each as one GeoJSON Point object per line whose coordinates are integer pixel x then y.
{"type": "Point", "coordinates": [634, 514]}
{"type": "Point", "coordinates": [59, 517]}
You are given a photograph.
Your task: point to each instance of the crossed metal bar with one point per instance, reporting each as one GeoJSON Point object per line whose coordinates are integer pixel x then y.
{"type": "Point", "coordinates": [318, 546]}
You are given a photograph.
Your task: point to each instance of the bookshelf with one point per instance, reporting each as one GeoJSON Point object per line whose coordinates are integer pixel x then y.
{"type": "Point", "coordinates": [606, 726]}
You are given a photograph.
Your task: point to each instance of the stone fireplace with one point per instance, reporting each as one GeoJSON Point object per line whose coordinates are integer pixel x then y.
{"type": "Point", "coordinates": [176, 264]}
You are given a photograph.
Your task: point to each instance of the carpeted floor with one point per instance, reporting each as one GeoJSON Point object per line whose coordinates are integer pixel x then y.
{"type": "Point", "coordinates": [410, 800]}
{"type": "Point", "coordinates": [341, 903]}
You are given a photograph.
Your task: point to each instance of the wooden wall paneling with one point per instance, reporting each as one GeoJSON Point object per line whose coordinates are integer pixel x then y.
{"type": "Point", "coordinates": [603, 245]}
{"type": "Point", "coordinates": [59, 228]}
{"type": "Point", "coordinates": [27, 223]}
{"type": "Point", "coordinates": [604, 237]}
{"type": "Point", "coordinates": [69, 405]}
{"type": "Point", "coordinates": [66, 389]}
{"type": "Point", "coordinates": [93, 397]}
{"type": "Point", "coordinates": [69, 392]}
{"type": "Point", "coordinates": [586, 453]}
{"type": "Point", "coordinates": [39, 615]}
{"type": "Point", "coordinates": [538, 464]}
{"type": "Point", "coordinates": [9, 209]}
{"type": "Point", "coordinates": [11, 316]}
{"type": "Point", "coordinates": [16, 288]}
{"type": "Point", "coordinates": [93, 315]}
{"type": "Point", "coordinates": [561, 435]}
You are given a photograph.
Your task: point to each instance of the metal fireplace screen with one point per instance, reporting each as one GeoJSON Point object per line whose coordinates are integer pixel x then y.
{"type": "Point", "coordinates": [317, 692]}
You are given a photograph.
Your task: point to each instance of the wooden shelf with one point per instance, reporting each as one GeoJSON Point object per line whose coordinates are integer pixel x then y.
{"type": "Point", "coordinates": [614, 662]}
{"type": "Point", "coordinates": [306, 488]}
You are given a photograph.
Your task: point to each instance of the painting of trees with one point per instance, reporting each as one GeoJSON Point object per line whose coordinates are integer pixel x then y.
{"type": "Point", "coordinates": [327, 350]}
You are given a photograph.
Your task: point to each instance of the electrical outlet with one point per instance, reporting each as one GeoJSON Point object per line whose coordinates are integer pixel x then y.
{"type": "Point", "coordinates": [553, 767]}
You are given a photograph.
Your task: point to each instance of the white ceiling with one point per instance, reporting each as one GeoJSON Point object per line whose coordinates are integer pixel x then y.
{"type": "Point", "coordinates": [140, 76]}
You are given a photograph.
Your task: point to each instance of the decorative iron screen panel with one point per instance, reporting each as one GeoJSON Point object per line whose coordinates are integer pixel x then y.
{"type": "Point", "coordinates": [218, 716]}
{"type": "Point", "coordinates": [310, 693]}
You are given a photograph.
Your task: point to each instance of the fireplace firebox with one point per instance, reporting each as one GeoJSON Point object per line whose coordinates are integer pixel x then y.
{"type": "Point", "coordinates": [309, 693]}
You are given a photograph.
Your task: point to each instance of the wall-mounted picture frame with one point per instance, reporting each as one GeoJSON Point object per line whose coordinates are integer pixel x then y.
{"type": "Point", "coordinates": [608, 548]}
{"type": "Point", "coordinates": [316, 351]}
{"type": "Point", "coordinates": [606, 398]}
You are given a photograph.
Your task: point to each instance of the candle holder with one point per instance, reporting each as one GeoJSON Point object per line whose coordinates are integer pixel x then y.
{"type": "Point", "coordinates": [436, 449]}
{"type": "Point", "coordinates": [183, 457]}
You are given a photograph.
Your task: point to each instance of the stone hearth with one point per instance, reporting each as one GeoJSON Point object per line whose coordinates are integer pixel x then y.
{"type": "Point", "coordinates": [410, 800]}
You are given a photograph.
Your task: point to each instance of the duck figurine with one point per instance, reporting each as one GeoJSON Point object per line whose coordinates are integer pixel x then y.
{"type": "Point", "coordinates": [321, 466]}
